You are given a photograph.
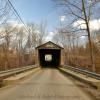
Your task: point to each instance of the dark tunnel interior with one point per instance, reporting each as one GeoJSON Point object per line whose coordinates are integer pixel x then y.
{"type": "Point", "coordinates": [49, 57]}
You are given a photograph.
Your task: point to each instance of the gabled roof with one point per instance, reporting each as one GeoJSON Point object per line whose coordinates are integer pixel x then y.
{"type": "Point", "coordinates": [49, 45]}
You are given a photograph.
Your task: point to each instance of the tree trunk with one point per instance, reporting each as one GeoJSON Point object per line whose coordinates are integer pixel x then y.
{"type": "Point", "coordinates": [89, 37]}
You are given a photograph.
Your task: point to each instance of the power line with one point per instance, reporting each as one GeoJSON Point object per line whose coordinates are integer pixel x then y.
{"type": "Point", "coordinates": [16, 13]}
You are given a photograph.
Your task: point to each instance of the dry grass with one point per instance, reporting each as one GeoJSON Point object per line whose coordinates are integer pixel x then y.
{"type": "Point", "coordinates": [14, 61]}
{"type": "Point", "coordinates": [84, 62]}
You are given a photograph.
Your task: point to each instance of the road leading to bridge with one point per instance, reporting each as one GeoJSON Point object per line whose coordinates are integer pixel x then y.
{"type": "Point", "coordinates": [46, 84]}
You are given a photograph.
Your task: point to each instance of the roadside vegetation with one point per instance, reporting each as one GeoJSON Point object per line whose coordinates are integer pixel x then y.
{"type": "Point", "coordinates": [81, 42]}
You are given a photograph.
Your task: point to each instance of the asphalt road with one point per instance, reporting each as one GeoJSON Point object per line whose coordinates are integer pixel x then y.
{"type": "Point", "coordinates": [46, 84]}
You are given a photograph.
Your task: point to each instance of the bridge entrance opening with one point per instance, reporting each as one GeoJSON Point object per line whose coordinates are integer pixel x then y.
{"type": "Point", "coordinates": [49, 55]}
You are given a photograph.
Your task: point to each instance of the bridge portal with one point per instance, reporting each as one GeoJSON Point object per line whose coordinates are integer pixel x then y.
{"type": "Point", "coordinates": [49, 55]}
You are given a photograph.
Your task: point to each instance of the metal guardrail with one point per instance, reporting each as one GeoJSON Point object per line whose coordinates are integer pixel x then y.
{"type": "Point", "coordinates": [1, 72]}
{"type": "Point", "coordinates": [83, 71]}
{"type": "Point", "coordinates": [5, 74]}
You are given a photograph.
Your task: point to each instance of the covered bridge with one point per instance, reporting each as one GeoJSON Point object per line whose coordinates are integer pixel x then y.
{"type": "Point", "coordinates": [49, 54]}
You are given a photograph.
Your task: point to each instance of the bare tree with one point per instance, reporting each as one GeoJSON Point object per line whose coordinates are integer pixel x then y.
{"type": "Point", "coordinates": [8, 31]}
{"type": "Point", "coordinates": [42, 32]}
{"type": "Point", "coordinates": [20, 45]}
{"type": "Point", "coordinates": [5, 11]}
{"type": "Point", "coordinates": [33, 34]}
{"type": "Point", "coordinates": [80, 10]}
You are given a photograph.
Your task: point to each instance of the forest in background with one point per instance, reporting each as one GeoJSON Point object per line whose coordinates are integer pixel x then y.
{"type": "Point", "coordinates": [18, 41]}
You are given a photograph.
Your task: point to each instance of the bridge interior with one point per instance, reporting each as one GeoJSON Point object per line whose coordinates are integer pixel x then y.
{"type": "Point", "coordinates": [49, 58]}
